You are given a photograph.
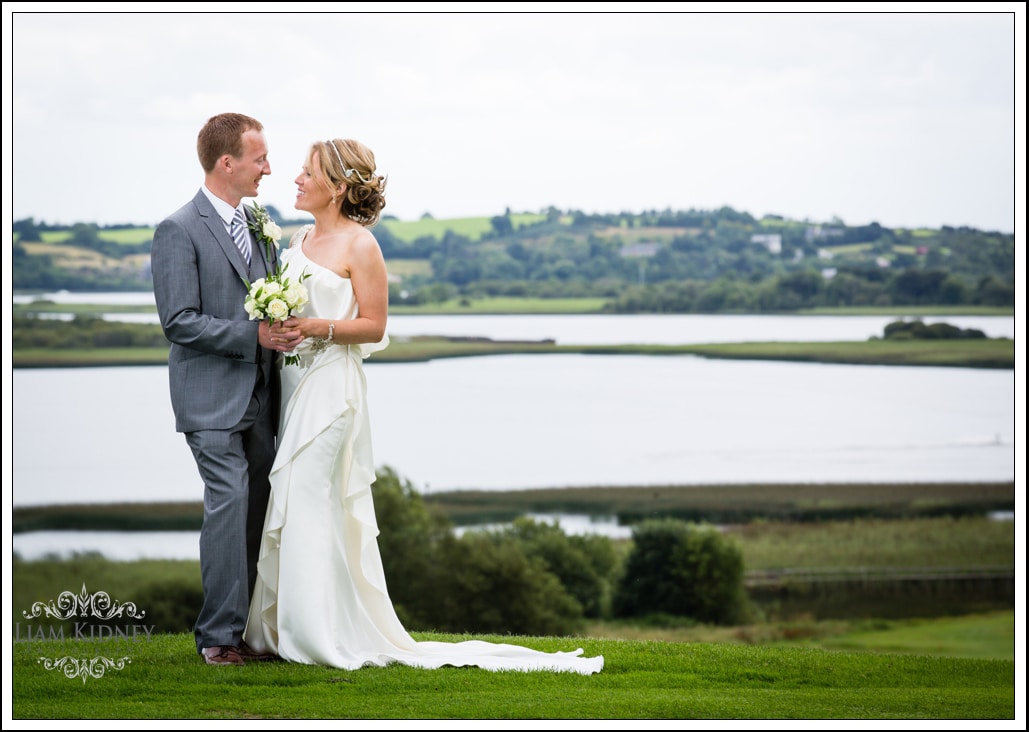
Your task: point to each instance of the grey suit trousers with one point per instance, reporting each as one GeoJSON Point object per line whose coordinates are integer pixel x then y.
{"type": "Point", "coordinates": [225, 395]}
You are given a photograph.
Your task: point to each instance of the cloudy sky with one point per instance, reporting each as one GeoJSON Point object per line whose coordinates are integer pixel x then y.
{"type": "Point", "coordinates": [906, 119]}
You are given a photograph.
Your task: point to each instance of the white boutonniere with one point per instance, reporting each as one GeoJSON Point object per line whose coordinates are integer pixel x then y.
{"type": "Point", "coordinates": [265, 230]}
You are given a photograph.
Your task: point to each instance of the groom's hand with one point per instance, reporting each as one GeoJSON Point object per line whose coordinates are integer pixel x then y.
{"type": "Point", "coordinates": [283, 335]}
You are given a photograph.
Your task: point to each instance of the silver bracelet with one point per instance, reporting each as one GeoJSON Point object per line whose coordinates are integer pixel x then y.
{"type": "Point", "coordinates": [320, 344]}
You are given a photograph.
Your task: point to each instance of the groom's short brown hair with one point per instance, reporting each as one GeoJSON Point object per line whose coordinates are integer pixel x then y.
{"type": "Point", "coordinates": [223, 134]}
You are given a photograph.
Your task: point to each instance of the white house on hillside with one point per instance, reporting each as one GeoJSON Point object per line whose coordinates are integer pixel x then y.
{"type": "Point", "coordinates": [772, 241]}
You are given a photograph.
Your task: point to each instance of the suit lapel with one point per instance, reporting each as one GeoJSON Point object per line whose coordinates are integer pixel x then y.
{"type": "Point", "coordinates": [214, 224]}
{"type": "Point", "coordinates": [260, 250]}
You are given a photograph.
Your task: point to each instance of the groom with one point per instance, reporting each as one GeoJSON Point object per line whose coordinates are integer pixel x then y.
{"type": "Point", "coordinates": [221, 366]}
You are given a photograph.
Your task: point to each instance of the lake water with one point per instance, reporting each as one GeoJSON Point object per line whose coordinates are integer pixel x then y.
{"type": "Point", "coordinates": [529, 421]}
{"type": "Point", "coordinates": [665, 329]}
{"type": "Point", "coordinates": [499, 422]}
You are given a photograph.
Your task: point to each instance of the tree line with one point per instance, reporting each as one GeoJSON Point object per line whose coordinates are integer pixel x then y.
{"type": "Point", "coordinates": [657, 261]}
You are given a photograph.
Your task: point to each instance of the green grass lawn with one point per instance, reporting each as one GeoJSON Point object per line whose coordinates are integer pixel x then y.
{"type": "Point", "coordinates": [988, 635]}
{"type": "Point", "coordinates": [950, 667]}
{"type": "Point", "coordinates": [164, 678]}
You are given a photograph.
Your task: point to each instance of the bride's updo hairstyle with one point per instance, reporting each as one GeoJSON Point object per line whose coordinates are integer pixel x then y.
{"type": "Point", "coordinates": [352, 164]}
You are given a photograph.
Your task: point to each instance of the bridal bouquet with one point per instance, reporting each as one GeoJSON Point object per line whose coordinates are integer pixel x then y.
{"type": "Point", "coordinates": [275, 297]}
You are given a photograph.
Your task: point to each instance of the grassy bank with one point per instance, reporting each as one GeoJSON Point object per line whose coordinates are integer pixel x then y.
{"type": "Point", "coordinates": [994, 353]}
{"type": "Point", "coordinates": [541, 305]}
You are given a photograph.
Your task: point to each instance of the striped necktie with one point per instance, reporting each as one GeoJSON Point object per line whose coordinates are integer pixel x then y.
{"type": "Point", "coordinates": [238, 229]}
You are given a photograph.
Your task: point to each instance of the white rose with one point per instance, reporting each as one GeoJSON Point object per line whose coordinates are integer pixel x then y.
{"type": "Point", "coordinates": [271, 230]}
{"type": "Point", "coordinates": [277, 309]}
{"type": "Point", "coordinates": [251, 307]}
{"type": "Point", "coordinates": [271, 289]}
{"type": "Point", "coordinates": [296, 296]}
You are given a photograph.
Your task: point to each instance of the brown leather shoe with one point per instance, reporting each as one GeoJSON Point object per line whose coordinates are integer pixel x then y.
{"type": "Point", "coordinates": [249, 654]}
{"type": "Point", "coordinates": [222, 656]}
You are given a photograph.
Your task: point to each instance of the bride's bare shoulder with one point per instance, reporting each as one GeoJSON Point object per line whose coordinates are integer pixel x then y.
{"type": "Point", "coordinates": [365, 247]}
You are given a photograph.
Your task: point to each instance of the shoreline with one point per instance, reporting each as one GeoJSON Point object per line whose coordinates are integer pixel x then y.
{"type": "Point", "coordinates": [984, 353]}
{"type": "Point", "coordinates": [717, 503]}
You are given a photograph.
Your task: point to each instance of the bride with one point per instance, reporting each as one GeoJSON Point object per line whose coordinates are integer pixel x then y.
{"type": "Point", "coordinates": [321, 596]}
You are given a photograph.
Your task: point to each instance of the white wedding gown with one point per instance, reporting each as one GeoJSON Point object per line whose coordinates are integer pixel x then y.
{"type": "Point", "coordinates": [321, 594]}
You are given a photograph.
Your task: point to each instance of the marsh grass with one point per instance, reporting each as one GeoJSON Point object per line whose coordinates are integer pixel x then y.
{"type": "Point", "coordinates": [878, 544]}
{"type": "Point", "coordinates": [785, 503]}
{"type": "Point", "coordinates": [782, 516]}
{"type": "Point", "coordinates": [994, 353]}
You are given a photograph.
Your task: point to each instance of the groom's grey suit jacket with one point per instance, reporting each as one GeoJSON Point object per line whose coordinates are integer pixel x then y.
{"type": "Point", "coordinates": [200, 284]}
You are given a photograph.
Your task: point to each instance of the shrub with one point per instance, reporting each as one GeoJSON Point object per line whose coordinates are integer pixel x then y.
{"type": "Point", "coordinates": [584, 564]}
{"type": "Point", "coordinates": [682, 569]}
{"type": "Point", "coordinates": [481, 582]}
{"type": "Point", "coordinates": [408, 532]}
{"type": "Point", "coordinates": [171, 606]}
{"type": "Point", "coordinates": [906, 330]}
{"type": "Point", "coordinates": [485, 583]}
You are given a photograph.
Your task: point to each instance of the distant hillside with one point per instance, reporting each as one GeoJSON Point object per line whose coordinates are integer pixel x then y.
{"type": "Point", "coordinates": [657, 261]}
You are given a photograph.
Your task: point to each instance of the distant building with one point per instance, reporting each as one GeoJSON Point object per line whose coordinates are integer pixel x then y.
{"type": "Point", "coordinates": [640, 249]}
{"type": "Point", "coordinates": [819, 232]}
{"type": "Point", "coordinates": [772, 241]}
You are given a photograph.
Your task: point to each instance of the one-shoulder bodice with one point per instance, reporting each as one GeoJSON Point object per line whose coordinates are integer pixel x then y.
{"type": "Point", "coordinates": [330, 295]}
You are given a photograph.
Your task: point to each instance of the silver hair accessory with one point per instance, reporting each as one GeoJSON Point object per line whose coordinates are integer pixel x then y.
{"type": "Point", "coordinates": [346, 171]}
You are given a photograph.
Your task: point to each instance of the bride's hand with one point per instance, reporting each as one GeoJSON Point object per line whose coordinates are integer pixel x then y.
{"type": "Point", "coordinates": [282, 336]}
